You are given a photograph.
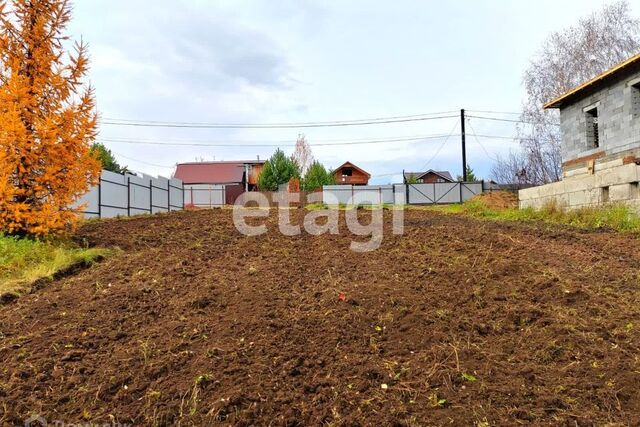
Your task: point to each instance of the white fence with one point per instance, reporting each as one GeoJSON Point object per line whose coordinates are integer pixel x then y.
{"type": "Point", "coordinates": [400, 194]}
{"type": "Point", "coordinates": [363, 194]}
{"type": "Point", "coordinates": [204, 195]}
{"type": "Point", "coordinates": [129, 195]}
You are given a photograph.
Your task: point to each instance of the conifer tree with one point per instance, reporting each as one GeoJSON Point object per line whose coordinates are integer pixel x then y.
{"type": "Point", "coordinates": [47, 119]}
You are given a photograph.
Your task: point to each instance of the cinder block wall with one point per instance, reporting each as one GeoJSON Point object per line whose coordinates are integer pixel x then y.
{"type": "Point", "coordinates": [612, 182]}
{"type": "Point", "coordinates": [619, 122]}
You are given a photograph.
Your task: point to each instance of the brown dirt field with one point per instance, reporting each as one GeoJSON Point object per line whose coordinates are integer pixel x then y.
{"type": "Point", "coordinates": [497, 200]}
{"type": "Point", "coordinates": [195, 324]}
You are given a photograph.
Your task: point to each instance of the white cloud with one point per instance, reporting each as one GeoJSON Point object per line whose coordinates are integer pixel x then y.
{"type": "Point", "coordinates": [289, 60]}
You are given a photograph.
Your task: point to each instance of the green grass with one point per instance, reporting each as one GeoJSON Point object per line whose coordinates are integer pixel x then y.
{"type": "Point", "coordinates": [23, 260]}
{"type": "Point", "coordinates": [614, 216]}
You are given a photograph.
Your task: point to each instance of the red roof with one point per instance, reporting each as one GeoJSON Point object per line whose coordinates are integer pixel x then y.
{"type": "Point", "coordinates": [211, 172]}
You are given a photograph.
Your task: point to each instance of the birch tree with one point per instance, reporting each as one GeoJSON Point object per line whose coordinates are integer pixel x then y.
{"type": "Point", "coordinates": [566, 59]}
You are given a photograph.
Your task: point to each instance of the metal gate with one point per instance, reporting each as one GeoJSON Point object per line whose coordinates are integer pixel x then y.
{"type": "Point", "coordinates": [441, 192]}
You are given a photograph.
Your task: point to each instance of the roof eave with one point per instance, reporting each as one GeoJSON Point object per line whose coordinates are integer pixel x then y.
{"type": "Point", "coordinates": [559, 101]}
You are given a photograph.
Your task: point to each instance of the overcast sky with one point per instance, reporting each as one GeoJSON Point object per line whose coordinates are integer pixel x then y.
{"type": "Point", "coordinates": [299, 61]}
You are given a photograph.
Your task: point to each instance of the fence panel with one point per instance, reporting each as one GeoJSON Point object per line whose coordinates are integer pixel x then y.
{"type": "Point", "coordinates": [471, 189]}
{"type": "Point", "coordinates": [139, 195]}
{"type": "Point", "coordinates": [204, 195]}
{"type": "Point", "coordinates": [363, 194]}
{"type": "Point", "coordinates": [400, 194]}
{"type": "Point", "coordinates": [91, 203]}
{"type": "Point", "coordinates": [176, 195]}
{"type": "Point", "coordinates": [112, 191]}
{"type": "Point", "coordinates": [127, 195]}
{"type": "Point", "coordinates": [159, 195]}
{"type": "Point", "coordinates": [340, 194]}
{"type": "Point", "coordinates": [421, 194]}
{"type": "Point", "coordinates": [367, 195]}
{"type": "Point", "coordinates": [446, 192]}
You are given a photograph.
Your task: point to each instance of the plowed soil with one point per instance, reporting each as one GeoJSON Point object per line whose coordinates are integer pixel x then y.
{"type": "Point", "coordinates": [457, 322]}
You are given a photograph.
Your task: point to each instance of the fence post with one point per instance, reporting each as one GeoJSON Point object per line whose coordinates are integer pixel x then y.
{"type": "Point", "coordinates": [151, 195]}
{"type": "Point", "coordinates": [169, 195]}
{"type": "Point", "coordinates": [406, 192]}
{"type": "Point", "coordinates": [100, 196]}
{"type": "Point", "coordinates": [128, 195]}
{"type": "Point", "coordinates": [460, 184]}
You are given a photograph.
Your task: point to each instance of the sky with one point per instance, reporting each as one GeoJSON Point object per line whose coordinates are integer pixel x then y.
{"type": "Point", "coordinates": [294, 61]}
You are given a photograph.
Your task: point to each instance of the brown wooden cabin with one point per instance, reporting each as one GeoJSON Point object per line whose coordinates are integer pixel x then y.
{"type": "Point", "coordinates": [429, 176]}
{"type": "Point", "coordinates": [349, 173]}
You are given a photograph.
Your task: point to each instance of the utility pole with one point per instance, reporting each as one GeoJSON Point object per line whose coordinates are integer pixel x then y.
{"type": "Point", "coordinates": [464, 146]}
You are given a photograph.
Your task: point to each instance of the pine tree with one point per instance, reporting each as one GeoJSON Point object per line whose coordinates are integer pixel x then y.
{"type": "Point", "coordinates": [107, 159]}
{"type": "Point", "coordinates": [317, 176]}
{"type": "Point", "coordinates": [279, 169]}
{"type": "Point", "coordinates": [471, 176]}
{"type": "Point", "coordinates": [47, 119]}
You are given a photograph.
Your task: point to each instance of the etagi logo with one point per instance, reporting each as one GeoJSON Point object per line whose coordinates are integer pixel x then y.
{"type": "Point", "coordinates": [328, 217]}
{"type": "Point", "coordinates": [40, 421]}
{"type": "Point", "coordinates": [35, 421]}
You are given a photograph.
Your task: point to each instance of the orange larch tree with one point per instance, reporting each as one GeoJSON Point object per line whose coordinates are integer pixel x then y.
{"type": "Point", "coordinates": [47, 119]}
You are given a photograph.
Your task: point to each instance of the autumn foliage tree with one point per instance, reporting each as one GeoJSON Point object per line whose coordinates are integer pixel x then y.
{"type": "Point", "coordinates": [47, 119]}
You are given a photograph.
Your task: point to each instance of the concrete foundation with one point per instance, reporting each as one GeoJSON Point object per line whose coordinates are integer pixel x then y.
{"type": "Point", "coordinates": [609, 182]}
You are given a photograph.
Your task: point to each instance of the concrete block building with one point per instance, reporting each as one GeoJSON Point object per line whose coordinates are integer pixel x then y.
{"type": "Point", "coordinates": [600, 126]}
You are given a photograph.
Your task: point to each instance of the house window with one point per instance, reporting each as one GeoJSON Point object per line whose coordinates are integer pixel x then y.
{"type": "Point", "coordinates": [347, 172]}
{"type": "Point", "coordinates": [635, 100]}
{"type": "Point", "coordinates": [440, 180]}
{"type": "Point", "coordinates": [593, 137]}
{"type": "Point", "coordinates": [420, 181]}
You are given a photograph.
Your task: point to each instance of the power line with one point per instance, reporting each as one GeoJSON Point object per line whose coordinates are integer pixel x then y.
{"type": "Point", "coordinates": [508, 120]}
{"type": "Point", "coordinates": [306, 123]}
{"type": "Point", "coordinates": [511, 138]}
{"type": "Point", "coordinates": [335, 123]}
{"type": "Point", "coordinates": [496, 112]}
{"type": "Point", "coordinates": [265, 142]}
{"type": "Point", "coordinates": [143, 162]}
{"type": "Point", "coordinates": [386, 174]}
{"type": "Point", "coordinates": [455, 125]}
{"type": "Point", "coordinates": [479, 143]}
{"type": "Point", "coordinates": [275, 144]}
